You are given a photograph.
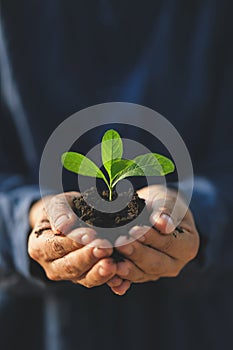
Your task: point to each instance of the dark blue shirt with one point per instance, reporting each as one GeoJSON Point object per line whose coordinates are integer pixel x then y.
{"type": "Point", "coordinates": [58, 57]}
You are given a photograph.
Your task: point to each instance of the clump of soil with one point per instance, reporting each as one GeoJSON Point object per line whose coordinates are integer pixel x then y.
{"type": "Point", "coordinates": [98, 218]}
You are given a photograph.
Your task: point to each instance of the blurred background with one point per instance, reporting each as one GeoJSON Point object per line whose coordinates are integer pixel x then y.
{"type": "Point", "coordinates": [58, 57]}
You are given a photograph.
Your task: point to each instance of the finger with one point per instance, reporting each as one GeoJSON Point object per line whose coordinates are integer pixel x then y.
{"type": "Point", "coordinates": [122, 288]}
{"type": "Point", "coordinates": [168, 212]}
{"type": "Point", "coordinates": [182, 246]}
{"type": "Point", "coordinates": [41, 226]}
{"type": "Point", "coordinates": [150, 192]}
{"type": "Point", "coordinates": [75, 264]}
{"type": "Point", "coordinates": [152, 238]}
{"type": "Point", "coordinates": [41, 215]}
{"type": "Point", "coordinates": [60, 213]}
{"type": "Point", "coordinates": [48, 246]}
{"type": "Point", "coordinates": [128, 270]}
{"type": "Point", "coordinates": [82, 236]}
{"type": "Point", "coordinates": [163, 222]}
{"type": "Point", "coordinates": [99, 274]}
{"type": "Point", "coordinates": [115, 281]}
{"type": "Point", "coordinates": [149, 260]}
{"type": "Point", "coordinates": [174, 246]}
{"type": "Point", "coordinates": [167, 202]}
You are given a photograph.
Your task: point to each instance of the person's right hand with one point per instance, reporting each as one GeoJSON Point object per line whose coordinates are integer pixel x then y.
{"type": "Point", "coordinates": [65, 252]}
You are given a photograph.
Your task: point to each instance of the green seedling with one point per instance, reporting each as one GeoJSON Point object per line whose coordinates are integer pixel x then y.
{"type": "Point", "coordinates": [117, 168]}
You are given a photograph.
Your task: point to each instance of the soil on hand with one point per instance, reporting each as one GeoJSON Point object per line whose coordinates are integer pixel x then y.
{"type": "Point", "coordinates": [92, 217]}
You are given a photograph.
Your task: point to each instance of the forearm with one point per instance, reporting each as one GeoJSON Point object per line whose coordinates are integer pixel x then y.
{"type": "Point", "coordinates": [211, 206]}
{"type": "Point", "coordinates": [16, 199]}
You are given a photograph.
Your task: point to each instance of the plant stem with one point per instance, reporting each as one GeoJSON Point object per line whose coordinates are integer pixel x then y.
{"type": "Point", "coordinates": [110, 193]}
{"type": "Point", "coordinates": [110, 187]}
{"type": "Point", "coordinates": [110, 190]}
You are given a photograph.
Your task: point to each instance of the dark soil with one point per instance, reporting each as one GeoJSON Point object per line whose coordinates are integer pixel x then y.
{"type": "Point", "coordinates": [98, 218]}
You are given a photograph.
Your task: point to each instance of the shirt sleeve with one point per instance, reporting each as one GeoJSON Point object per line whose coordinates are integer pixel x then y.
{"type": "Point", "coordinates": [18, 191]}
{"type": "Point", "coordinates": [212, 198]}
{"type": "Point", "coordinates": [213, 221]}
{"type": "Point", "coordinates": [16, 199]}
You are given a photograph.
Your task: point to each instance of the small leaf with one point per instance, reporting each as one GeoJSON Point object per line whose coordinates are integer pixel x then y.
{"type": "Point", "coordinates": [118, 165]}
{"type": "Point", "coordinates": [111, 149]}
{"type": "Point", "coordinates": [150, 164]}
{"type": "Point", "coordinates": [132, 170]}
{"type": "Point", "coordinates": [153, 164]}
{"type": "Point", "coordinates": [79, 164]}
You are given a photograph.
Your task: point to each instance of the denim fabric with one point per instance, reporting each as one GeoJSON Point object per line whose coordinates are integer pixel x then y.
{"type": "Point", "coordinates": [172, 56]}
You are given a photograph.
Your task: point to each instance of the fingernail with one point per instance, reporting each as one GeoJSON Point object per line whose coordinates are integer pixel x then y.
{"type": "Point", "coordinates": [134, 230]}
{"type": "Point", "coordinates": [141, 238]}
{"type": "Point", "coordinates": [127, 249]}
{"type": "Point", "coordinates": [103, 272]}
{"type": "Point", "coordinates": [154, 217]}
{"type": "Point", "coordinates": [61, 220]}
{"type": "Point", "coordinates": [116, 281]}
{"type": "Point", "coordinates": [139, 232]}
{"type": "Point", "coordinates": [123, 240]}
{"type": "Point", "coordinates": [170, 223]}
{"type": "Point", "coordinates": [86, 239]}
{"type": "Point", "coordinates": [99, 253]}
{"type": "Point", "coordinates": [81, 235]}
{"type": "Point", "coordinates": [123, 270]}
{"type": "Point", "coordinates": [122, 289]}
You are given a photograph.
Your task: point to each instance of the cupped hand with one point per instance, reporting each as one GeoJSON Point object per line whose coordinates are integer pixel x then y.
{"type": "Point", "coordinates": [160, 249]}
{"type": "Point", "coordinates": [65, 251]}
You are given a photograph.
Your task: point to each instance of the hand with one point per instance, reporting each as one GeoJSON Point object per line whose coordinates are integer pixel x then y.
{"type": "Point", "coordinates": [160, 250]}
{"type": "Point", "coordinates": [65, 252]}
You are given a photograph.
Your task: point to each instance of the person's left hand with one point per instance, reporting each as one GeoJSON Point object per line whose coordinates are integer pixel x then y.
{"type": "Point", "coordinates": [161, 250]}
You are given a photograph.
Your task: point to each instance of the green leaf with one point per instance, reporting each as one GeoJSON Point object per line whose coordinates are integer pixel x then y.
{"type": "Point", "coordinates": [118, 165]}
{"type": "Point", "coordinates": [111, 149]}
{"type": "Point", "coordinates": [79, 164]}
{"type": "Point", "coordinates": [153, 164]}
{"type": "Point", "coordinates": [150, 164]}
{"type": "Point", "coordinates": [132, 170]}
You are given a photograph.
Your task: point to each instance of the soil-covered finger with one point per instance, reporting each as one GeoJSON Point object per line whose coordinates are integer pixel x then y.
{"type": "Point", "coordinates": [49, 246]}
{"type": "Point", "coordinates": [73, 265]}
{"type": "Point", "coordinates": [77, 263]}
{"type": "Point", "coordinates": [41, 226]}
{"type": "Point", "coordinates": [60, 212]}
{"type": "Point", "coordinates": [179, 245]}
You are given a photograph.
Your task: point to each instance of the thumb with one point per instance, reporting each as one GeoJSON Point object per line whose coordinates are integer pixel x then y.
{"type": "Point", "coordinates": [59, 210]}
{"type": "Point", "coordinates": [163, 222]}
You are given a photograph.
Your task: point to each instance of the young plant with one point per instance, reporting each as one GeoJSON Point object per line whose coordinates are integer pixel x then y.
{"type": "Point", "coordinates": [117, 168]}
